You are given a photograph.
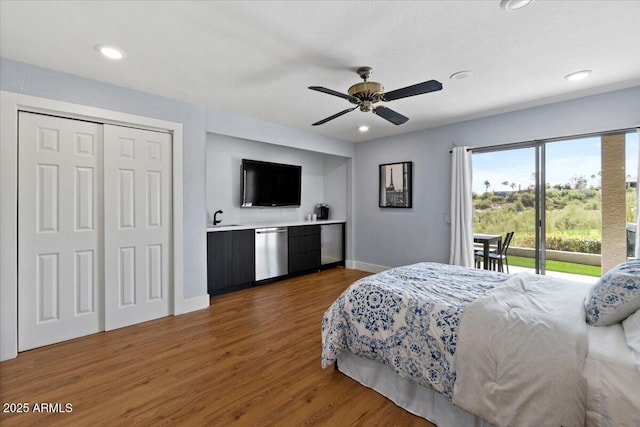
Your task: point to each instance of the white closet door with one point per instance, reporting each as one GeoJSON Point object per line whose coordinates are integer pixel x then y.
{"type": "Point", "coordinates": [60, 288]}
{"type": "Point", "coordinates": [138, 225]}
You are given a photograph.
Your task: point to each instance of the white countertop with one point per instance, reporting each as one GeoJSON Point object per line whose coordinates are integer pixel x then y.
{"type": "Point", "coordinates": [232, 226]}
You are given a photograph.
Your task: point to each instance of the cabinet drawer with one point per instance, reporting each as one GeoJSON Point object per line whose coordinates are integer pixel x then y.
{"type": "Point", "coordinates": [304, 262]}
{"type": "Point", "coordinates": [304, 230]}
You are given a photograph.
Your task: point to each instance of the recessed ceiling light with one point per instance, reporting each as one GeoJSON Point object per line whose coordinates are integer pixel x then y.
{"type": "Point", "coordinates": [460, 75]}
{"type": "Point", "coordinates": [363, 128]}
{"type": "Point", "coordinates": [578, 75]}
{"type": "Point", "coordinates": [110, 52]}
{"type": "Point", "coordinates": [514, 4]}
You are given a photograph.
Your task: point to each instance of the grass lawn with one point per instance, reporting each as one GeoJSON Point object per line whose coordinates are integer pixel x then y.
{"type": "Point", "coordinates": [564, 267]}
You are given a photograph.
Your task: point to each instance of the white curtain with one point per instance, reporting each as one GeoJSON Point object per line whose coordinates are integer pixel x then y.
{"type": "Point", "coordinates": [638, 201]}
{"type": "Point", "coordinates": [461, 250]}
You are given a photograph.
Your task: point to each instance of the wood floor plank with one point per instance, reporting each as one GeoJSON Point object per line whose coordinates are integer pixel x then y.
{"type": "Point", "coordinates": [251, 359]}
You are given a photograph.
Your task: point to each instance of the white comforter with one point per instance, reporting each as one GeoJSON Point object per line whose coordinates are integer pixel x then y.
{"type": "Point", "coordinates": [521, 351]}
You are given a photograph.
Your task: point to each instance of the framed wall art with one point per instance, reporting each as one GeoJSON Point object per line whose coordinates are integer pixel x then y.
{"type": "Point", "coordinates": [395, 185]}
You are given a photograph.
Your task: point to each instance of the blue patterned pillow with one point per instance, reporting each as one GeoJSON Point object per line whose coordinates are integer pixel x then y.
{"type": "Point", "coordinates": [615, 296]}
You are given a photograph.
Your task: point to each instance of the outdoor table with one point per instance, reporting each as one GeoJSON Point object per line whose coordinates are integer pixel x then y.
{"type": "Point", "coordinates": [486, 240]}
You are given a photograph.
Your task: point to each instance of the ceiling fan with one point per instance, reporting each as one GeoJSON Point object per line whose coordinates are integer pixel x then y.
{"type": "Point", "coordinates": [365, 94]}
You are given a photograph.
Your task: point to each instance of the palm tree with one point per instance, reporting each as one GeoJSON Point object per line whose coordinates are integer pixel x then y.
{"type": "Point", "coordinates": [487, 184]}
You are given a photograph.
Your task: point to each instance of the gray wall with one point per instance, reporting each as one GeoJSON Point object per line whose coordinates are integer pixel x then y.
{"type": "Point", "coordinates": [335, 175]}
{"type": "Point", "coordinates": [238, 126]}
{"type": "Point", "coordinates": [392, 237]}
{"type": "Point", "coordinates": [324, 179]}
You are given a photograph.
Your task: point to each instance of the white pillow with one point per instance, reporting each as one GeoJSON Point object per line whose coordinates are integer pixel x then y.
{"type": "Point", "coordinates": [631, 326]}
{"type": "Point", "coordinates": [615, 296]}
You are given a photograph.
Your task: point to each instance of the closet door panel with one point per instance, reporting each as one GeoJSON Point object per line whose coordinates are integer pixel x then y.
{"type": "Point", "coordinates": [60, 285]}
{"type": "Point", "coordinates": [137, 168]}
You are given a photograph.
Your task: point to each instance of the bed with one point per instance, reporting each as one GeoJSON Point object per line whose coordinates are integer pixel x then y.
{"type": "Point", "coordinates": [468, 347]}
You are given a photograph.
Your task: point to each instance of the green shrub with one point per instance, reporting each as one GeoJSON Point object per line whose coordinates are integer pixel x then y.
{"type": "Point", "coordinates": [483, 204]}
{"type": "Point", "coordinates": [573, 244]}
{"type": "Point", "coordinates": [560, 243]}
{"type": "Point", "coordinates": [527, 200]}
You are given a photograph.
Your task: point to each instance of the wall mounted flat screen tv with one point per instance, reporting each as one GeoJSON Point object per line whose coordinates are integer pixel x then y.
{"type": "Point", "coordinates": [270, 184]}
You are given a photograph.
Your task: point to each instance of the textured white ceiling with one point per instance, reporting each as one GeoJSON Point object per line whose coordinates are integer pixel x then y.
{"type": "Point", "coordinates": [257, 58]}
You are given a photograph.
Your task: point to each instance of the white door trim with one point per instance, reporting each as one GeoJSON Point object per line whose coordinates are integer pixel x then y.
{"type": "Point", "coordinates": [10, 104]}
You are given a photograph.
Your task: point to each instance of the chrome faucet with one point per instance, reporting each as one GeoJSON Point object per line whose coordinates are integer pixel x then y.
{"type": "Point", "coordinates": [215, 217]}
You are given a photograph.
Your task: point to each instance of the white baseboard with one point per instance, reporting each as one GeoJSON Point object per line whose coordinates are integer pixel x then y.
{"type": "Point", "coordinates": [8, 349]}
{"type": "Point", "coordinates": [371, 268]}
{"type": "Point", "coordinates": [193, 304]}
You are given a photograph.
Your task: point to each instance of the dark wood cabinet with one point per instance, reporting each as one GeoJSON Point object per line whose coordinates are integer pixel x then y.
{"type": "Point", "coordinates": [304, 248]}
{"type": "Point", "coordinates": [243, 256]}
{"type": "Point", "coordinates": [231, 254]}
{"type": "Point", "coordinates": [218, 261]}
{"type": "Point", "coordinates": [230, 260]}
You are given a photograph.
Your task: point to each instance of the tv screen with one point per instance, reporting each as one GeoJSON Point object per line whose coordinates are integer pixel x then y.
{"type": "Point", "coordinates": [270, 184]}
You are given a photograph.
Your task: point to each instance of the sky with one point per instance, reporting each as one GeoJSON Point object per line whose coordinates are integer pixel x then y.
{"type": "Point", "coordinates": [565, 159]}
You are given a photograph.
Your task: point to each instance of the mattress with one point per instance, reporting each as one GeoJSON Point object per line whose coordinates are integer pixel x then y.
{"type": "Point", "coordinates": [613, 392]}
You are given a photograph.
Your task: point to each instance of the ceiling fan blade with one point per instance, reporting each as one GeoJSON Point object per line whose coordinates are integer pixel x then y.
{"type": "Point", "coordinates": [351, 99]}
{"type": "Point", "coordinates": [389, 114]}
{"type": "Point", "coordinates": [417, 89]}
{"type": "Point", "coordinates": [334, 116]}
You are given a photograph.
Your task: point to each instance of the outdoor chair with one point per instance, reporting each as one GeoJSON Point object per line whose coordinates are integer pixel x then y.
{"type": "Point", "coordinates": [499, 257]}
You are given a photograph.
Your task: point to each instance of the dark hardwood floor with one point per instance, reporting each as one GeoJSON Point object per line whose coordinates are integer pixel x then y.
{"type": "Point", "coordinates": [251, 359]}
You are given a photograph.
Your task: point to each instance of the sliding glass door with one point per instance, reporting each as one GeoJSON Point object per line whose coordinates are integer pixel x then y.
{"type": "Point", "coordinates": [570, 202]}
{"type": "Point", "coordinates": [572, 214]}
{"type": "Point", "coordinates": [632, 181]}
{"type": "Point", "coordinates": [504, 199]}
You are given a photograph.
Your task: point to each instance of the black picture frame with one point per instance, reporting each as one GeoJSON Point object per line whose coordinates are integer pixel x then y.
{"type": "Point", "coordinates": [395, 185]}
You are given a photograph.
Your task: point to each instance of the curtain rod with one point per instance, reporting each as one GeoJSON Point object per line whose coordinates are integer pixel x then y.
{"type": "Point", "coordinates": [531, 143]}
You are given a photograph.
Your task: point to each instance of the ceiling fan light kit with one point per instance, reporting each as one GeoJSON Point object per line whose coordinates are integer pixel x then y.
{"type": "Point", "coordinates": [578, 75]}
{"type": "Point", "coordinates": [460, 75]}
{"type": "Point", "coordinates": [366, 94]}
{"type": "Point", "coordinates": [111, 52]}
{"type": "Point", "coordinates": [514, 4]}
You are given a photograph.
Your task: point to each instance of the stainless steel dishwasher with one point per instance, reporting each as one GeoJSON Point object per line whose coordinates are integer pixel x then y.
{"type": "Point", "coordinates": [272, 255]}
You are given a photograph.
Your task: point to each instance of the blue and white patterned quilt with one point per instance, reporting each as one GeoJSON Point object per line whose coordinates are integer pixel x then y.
{"type": "Point", "coordinates": [406, 318]}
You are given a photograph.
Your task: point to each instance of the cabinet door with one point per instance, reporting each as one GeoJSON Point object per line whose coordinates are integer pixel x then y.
{"type": "Point", "coordinates": [243, 257]}
{"type": "Point", "coordinates": [219, 259]}
{"type": "Point", "coordinates": [304, 248]}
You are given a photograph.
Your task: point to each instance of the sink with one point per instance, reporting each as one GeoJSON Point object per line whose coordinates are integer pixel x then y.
{"type": "Point", "coordinates": [225, 225]}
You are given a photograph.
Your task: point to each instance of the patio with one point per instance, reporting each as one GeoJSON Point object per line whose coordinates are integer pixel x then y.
{"type": "Point", "coordinates": [574, 277]}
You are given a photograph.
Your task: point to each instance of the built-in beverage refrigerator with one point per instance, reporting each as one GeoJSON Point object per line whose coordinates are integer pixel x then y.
{"type": "Point", "coordinates": [332, 243]}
